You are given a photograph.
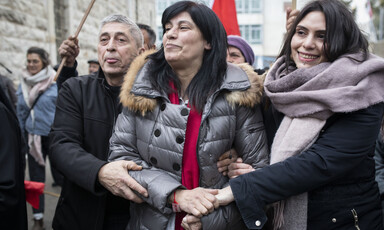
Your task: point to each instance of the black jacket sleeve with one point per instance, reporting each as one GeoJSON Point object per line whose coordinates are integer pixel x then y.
{"type": "Point", "coordinates": [13, 214]}
{"type": "Point", "coordinates": [340, 148]}
{"type": "Point", "coordinates": [65, 74]}
{"type": "Point", "coordinates": [67, 151]}
{"type": "Point", "coordinates": [379, 163]}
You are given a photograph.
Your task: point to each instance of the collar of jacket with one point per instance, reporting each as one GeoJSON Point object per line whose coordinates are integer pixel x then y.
{"type": "Point", "coordinates": [244, 86]}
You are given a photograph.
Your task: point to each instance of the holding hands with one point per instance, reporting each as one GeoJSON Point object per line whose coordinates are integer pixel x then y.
{"type": "Point", "coordinates": [198, 201]}
{"type": "Point", "coordinates": [223, 197]}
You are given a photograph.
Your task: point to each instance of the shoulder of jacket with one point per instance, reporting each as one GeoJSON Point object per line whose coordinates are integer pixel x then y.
{"type": "Point", "coordinates": [252, 96]}
{"type": "Point", "coordinates": [133, 102]}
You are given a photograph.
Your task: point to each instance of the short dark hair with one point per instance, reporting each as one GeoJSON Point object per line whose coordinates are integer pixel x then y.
{"type": "Point", "coordinates": [133, 28]}
{"type": "Point", "coordinates": [151, 33]}
{"type": "Point", "coordinates": [44, 56]}
{"type": "Point", "coordinates": [211, 74]}
{"type": "Point", "coordinates": [342, 35]}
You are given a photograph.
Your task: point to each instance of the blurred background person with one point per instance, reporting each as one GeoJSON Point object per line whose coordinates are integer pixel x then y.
{"type": "Point", "coordinates": [93, 66]}
{"type": "Point", "coordinates": [149, 36]}
{"type": "Point", "coordinates": [239, 51]}
{"type": "Point", "coordinates": [37, 95]}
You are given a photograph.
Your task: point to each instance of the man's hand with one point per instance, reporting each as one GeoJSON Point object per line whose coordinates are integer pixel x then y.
{"type": "Point", "coordinates": [198, 201]}
{"type": "Point", "coordinates": [191, 222]}
{"type": "Point", "coordinates": [290, 17]}
{"type": "Point", "coordinates": [70, 50]}
{"type": "Point", "coordinates": [239, 168]}
{"type": "Point", "coordinates": [225, 160]}
{"type": "Point", "coordinates": [114, 177]}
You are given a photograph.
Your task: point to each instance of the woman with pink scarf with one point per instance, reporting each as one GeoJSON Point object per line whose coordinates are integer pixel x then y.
{"type": "Point", "coordinates": [35, 110]}
{"type": "Point", "coordinates": [326, 94]}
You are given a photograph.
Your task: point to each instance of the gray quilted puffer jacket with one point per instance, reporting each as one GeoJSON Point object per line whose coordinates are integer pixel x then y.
{"type": "Point", "coordinates": [151, 132]}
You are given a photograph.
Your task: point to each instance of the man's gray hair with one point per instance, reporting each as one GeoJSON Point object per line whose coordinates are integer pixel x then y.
{"type": "Point", "coordinates": [134, 30]}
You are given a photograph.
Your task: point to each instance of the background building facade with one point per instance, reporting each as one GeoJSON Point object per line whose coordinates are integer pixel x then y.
{"type": "Point", "coordinates": [262, 24]}
{"type": "Point", "coordinates": [46, 23]}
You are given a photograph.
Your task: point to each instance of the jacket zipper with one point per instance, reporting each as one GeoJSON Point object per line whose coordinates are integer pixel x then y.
{"type": "Point", "coordinates": [354, 213]}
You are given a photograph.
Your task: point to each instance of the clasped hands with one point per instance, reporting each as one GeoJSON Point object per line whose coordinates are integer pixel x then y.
{"type": "Point", "coordinates": [199, 202]}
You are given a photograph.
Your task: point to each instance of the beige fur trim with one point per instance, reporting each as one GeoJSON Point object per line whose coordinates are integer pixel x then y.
{"type": "Point", "coordinates": [136, 103]}
{"type": "Point", "coordinates": [251, 96]}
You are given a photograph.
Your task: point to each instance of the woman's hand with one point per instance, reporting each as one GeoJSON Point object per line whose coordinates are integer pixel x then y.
{"type": "Point", "coordinates": [198, 201]}
{"type": "Point", "coordinates": [191, 222]}
{"type": "Point", "coordinates": [225, 196]}
{"type": "Point", "coordinates": [225, 160]}
{"type": "Point", "coordinates": [239, 168]}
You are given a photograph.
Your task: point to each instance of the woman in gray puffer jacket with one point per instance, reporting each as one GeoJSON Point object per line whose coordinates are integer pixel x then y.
{"type": "Point", "coordinates": [177, 142]}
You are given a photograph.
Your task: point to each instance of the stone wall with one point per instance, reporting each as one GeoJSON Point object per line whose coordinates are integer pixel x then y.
{"type": "Point", "coordinates": [378, 48]}
{"type": "Point", "coordinates": [46, 23]}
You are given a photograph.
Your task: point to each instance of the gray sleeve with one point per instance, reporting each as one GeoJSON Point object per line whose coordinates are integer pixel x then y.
{"type": "Point", "coordinates": [250, 139]}
{"type": "Point", "coordinates": [123, 145]}
{"type": "Point", "coordinates": [251, 145]}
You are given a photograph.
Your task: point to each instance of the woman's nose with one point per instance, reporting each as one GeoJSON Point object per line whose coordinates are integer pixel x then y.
{"type": "Point", "coordinates": [309, 42]}
{"type": "Point", "coordinates": [171, 33]}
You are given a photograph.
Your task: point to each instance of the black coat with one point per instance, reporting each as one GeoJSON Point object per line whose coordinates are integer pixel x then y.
{"type": "Point", "coordinates": [13, 212]}
{"type": "Point", "coordinates": [85, 116]}
{"type": "Point", "coordinates": [337, 171]}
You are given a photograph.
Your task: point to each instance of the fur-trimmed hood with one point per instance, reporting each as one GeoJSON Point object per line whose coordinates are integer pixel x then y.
{"type": "Point", "coordinates": [244, 85]}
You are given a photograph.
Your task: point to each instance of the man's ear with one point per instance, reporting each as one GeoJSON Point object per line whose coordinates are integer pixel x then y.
{"type": "Point", "coordinates": [141, 50]}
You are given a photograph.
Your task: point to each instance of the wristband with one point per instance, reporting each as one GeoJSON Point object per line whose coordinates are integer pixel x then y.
{"type": "Point", "coordinates": [175, 205]}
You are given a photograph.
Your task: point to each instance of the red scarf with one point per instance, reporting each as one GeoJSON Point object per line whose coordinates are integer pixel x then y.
{"type": "Point", "coordinates": [190, 167]}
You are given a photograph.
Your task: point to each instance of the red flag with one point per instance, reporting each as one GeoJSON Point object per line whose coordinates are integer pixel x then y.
{"type": "Point", "coordinates": [33, 190]}
{"type": "Point", "coordinates": [226, 11]}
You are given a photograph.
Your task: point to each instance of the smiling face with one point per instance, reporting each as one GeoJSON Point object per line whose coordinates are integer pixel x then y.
{"type": "Point", "coordinates": [307, 43]}
{"type": "Point", "coordinates": [34, 63]}
{"type": "Point", "coordinates": [116, 49]}
{"type": "Point", "coordinates": [183, 42]}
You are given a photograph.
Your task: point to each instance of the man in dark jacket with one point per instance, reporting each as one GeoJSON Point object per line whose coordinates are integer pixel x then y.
{"type": "Point", "coordinates": [13, 212]}
{"type": "Point", "coordinates": [9, 90]}
{"type": "Point", "coordinates": [87, 107]}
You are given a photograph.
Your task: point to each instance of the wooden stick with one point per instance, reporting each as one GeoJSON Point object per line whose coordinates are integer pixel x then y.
{"type": "Point", "coordinates": [52, 194]}
{"type": "Point", "coordinates": [293, 4]}
{"type": "Point", "coordinates": [76, 34]}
